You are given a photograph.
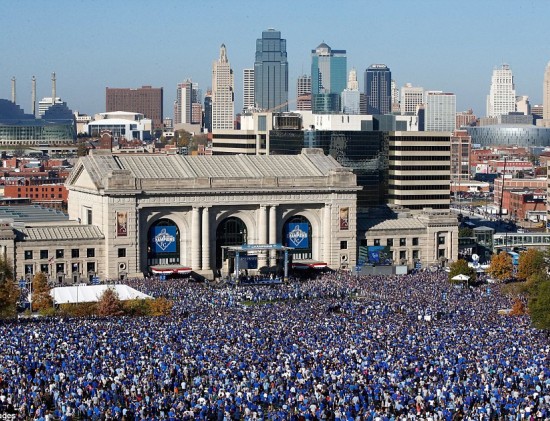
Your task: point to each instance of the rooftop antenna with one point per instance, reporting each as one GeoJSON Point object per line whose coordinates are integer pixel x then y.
{"type": "Point", "coordinates": [13, 89]}
{"type": "Point", "coordinates": [33, 98]}
{"type": "Point", "coordinates": [53, 88]}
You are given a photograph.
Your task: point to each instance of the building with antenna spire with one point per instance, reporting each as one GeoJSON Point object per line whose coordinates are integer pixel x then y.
{"type": "Point", "coordinates": [223, 93]}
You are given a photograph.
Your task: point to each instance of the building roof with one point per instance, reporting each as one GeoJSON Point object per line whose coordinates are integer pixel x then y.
{"type": "Point", "coordinates": [310, 164]}
{"type": "Point", "coordinates": [397, 224]}
{"type": "Point", "coordinates": [31, 213]}
{"type": "Point", "coordinates": [49, 233]}
{"type": "Point", "coordinates": [92, 293]}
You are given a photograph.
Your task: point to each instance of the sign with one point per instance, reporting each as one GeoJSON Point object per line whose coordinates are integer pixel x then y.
{"type": "Point", "coordinates": [164, 239]}
{"type": "Point", "coordinates": [261, 247]}
{"type": "Point", "coordinates": [418, 265]}
{"type": "Point", "coordinates": [344, 219]}
{"type": "Point", "coordinates": [248, 262]}
{"type": "Point", "coordinates": [162, 277]}
{"type": "Point", "coordinates": [297, 235]}
{"type": "Point", "coordinates": [22, 283]}
{"type": "Point", "coordinates": [95, 280]}
{"type": "Point", "coordinates": [380, 255]}
{"type": "Point", "coordinates": [121, 224]}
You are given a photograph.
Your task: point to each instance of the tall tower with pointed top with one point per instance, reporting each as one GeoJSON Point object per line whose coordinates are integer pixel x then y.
{"type": "Point", "coordinates": [223, 93]}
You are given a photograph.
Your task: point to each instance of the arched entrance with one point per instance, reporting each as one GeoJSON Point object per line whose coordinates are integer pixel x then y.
{"type": "Point", "coordinates": [297, 233]}
{"type": "Point", "coordinates": [230, 232]}
{"type": "Point", "coordinates": [163, 243]}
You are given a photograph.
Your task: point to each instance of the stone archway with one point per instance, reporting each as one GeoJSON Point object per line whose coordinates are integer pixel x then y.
{"type": "Point", "coordinates": [163, 243]}
{"type": "Point", "coordinates": [232, 231]}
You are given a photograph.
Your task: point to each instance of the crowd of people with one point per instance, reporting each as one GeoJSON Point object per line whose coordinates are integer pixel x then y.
{"type": "Point", "coordinates": [340, 347]}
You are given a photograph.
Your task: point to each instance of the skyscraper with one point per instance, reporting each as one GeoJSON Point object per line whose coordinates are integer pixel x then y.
{"type": "Point", "coordinates": [328, 78]}
{"type": "Point", "coordinates": [351, 97]}
{"type": "Point", "coordinates": [546, 94]}
{"type": "Point", "coordinates": [303, 93]}
{"type": "Point", "coordinates": [223, 98]}
{"type": "Point", "coordinates": [145, 100]}
{"type": "Point", "coordinates": [411, 98]}
{"type": "Point", "coordinates": [378, 89]}
{"type": "Point", "coordinates": [271, 72]}
{"type": "Point", "coordinates": [502, 94]}
{"type": "Point", "coordinates": [440, 111]}
{"type": "Point", "coordinates": [184, 101]}
{"type": "Point", "coordinates": [248, 89]}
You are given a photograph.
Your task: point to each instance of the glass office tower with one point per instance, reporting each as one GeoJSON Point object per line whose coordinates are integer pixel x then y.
{"type": "Point", "coordinates": [271, 72]}
{"type": "Point", "coordinates": [328, 78]}
{"type": "Point", "coordinates": [378, 89]}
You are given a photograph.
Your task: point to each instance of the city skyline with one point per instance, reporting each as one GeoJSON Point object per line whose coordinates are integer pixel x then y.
{"type": "Point", "coordinates": [90, 49]}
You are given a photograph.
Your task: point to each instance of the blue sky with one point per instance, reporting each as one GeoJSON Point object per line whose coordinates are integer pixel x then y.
{"type": "Point", "coordinates": [437, 44]}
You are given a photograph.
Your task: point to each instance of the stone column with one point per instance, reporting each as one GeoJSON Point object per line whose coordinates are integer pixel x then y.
{"type": "Point", "coordinates": [262, 235]}
{"type": "Point", "coordinates": [195, 239]}
{"type": "Point", "coordinates": [272, 232]}
{"type": "Point", "coordinates": [206, 238]}
{"type": "Point", "coordinates": [327, 236]}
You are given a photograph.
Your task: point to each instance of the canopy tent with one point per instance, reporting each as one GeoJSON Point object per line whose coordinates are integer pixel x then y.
{"type": "Point", "coordinates": [460, 277]}
{"type": "Point", "coordinates": [92, 293]}
{"type": "Point", "coordinates": [170, 270]}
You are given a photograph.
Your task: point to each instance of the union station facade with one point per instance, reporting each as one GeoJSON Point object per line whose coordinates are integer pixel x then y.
{"type": "Point", "coordinates": [177, 214]}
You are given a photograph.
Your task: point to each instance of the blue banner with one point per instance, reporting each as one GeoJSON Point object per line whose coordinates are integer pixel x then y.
{"type": "Point", "coordinates": [248, 262]}
{"type": "Point", "coordinates": [164, 239]}
{"type": "Point", "coordinates": [297, 235]}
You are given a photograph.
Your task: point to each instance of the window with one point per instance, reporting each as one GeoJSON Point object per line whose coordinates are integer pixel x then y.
{"type": "Point", "coordinates": [44, 268]}
{"type": "Point", "coordinates": [402, 242]}
{"type": "Point", "coordinates": [90, 267]}
{"type": "Point", "coordinates": [75, 253]}
{"type": "Point", "coordinates": [415, 241]}
{"type": "Point", "coordinates": [403, 255]}
{"type": "Point", "coordinates": [343, 245]}
{"type": "Point", "coordinates": [441, 240]}
{"type": "Point", "coordinates": [441, 253]}
{"type": "Point", "coordinates": [415, 254]}
{"type": "Point", "coordinates": [121, 252]}
{"type": "Point", "coordinates": [89, 216]}
{"type": "Point", "coordinates": [43, 254]}
{"type": "Point", "coordinates": [59, 254]}
{"type": "Point", "coordinates": [29, 269]}
{"type": "Point", "coordinates": [60, 268]}
{"type": "Point", "coordinates": [389, 242]}
{"type": "Point", "coordinates": [90, 252]}
{"type": "Point", "coordinates": [28, 254]}
{"type": "Point", "coordinates": [377, 241]}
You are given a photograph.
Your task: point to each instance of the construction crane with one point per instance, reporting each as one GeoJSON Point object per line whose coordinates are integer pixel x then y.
{"type": "Point", "coordinates": [290, 101]}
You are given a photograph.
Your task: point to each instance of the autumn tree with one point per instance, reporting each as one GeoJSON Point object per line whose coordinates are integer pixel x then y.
{"type": "Point", "coordinates": [109, 303]}
{"type": "Point", "coordinates": [460, 267]}
{"type": "Point", "coordinates": [160, 307]}
{"type": "Point", "coordinates": [41, 297]}
{"type": "Point", "coordinates": [531, 263]}
{"type": "Point", "coordinates": [9, 292]}
{"type": "Point", "coordinates": [539, 303]}
{"type": "Point", "coordinates": [501, 266]}
{"type": "Point", "coordinates": [182, 138]}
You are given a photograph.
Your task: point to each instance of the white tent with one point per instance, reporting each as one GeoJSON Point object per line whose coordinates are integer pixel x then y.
{"type": "Point", "coordinates": [92, 293]}
{"type": "Point", "coordinates": [460, 277]}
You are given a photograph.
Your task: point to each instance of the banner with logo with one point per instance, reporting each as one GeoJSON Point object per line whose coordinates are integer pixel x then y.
{"type": "Point", "coordinates": [248, 262]}
{"type": "Point", "coordinates": [164, 239]}
{"type": "Point", "coordinates": [380, 255]}
{"type": "Point", "coordinates": [344, 219]}
{"type": "Point", "coordinates": [297, 235]}
{"type": "Point", "coordinates": [121, 224]}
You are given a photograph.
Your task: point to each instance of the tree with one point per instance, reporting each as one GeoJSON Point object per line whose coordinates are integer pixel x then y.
{"type": "Point", "coordinates": [460, 267]}
{"type": "Point", "coordinates": [109, 303]}
{"type": "Point", "coordinates": [82, 149]}
{"type": "Point", "coordinates": [9, 292]}
{"type": "Point", "coordinates": [161, 307]}
{"type": "Point", "coordinates": [531, 263]}
{"type": "Point", "coordinates": [182, 138]}
{"type": "Point", "coordinates": [465, 232]}
{"type": "Point", "coordinates": [501, 266]}
{"type": "Point", "coordinates": [41, 297]}
{"type": "Point", "coordinates": [539, 305]}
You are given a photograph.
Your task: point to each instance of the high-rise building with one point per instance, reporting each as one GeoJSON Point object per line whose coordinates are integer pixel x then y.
{"type": "Point", "coordinates": [45, 103]}
{"type": "Point", "coordinates": [351, 97]}
{"type": "Point", "coordinates": [411, 98]}
{"type": "Point", "coordinates": [271, 72]}
{"type": "Point", "coordinates": [465, 118]}
{"type": "Point", "coordinates": [248, 89]}
{"type": "Point", "coordinates": [303, 93]}
{"type": "Point", "coordinates": [522, 105]}
{"type": "Point", "coordinates": [461, 146]}
{"type": "Point", "coordinates": [419, 170]}
{"type": "Point", "coordinates": [328, 78]}
{"type": "Point", "coordinates": [207, 119]}
{"type": "Point", "coordinates": [546, 94]}
{"type": "Point", "coordinates": [394, 98]}
{"type": "Point", "coordinates": [440, 111]}
{"type": "Point", "coordinates": [145, 100]}
{"type": "Point", "coordinates": [378, 89]}
{"type": "Point", "coordinates": [184, 100]}
{"type": "Point", "coordinates": [223, 98]}
{"type": "Point", "coordinates": [502, 94]}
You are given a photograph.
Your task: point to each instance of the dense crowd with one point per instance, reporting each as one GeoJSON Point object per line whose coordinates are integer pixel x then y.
{"type": "Point", "coordinates": [339, 347]}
